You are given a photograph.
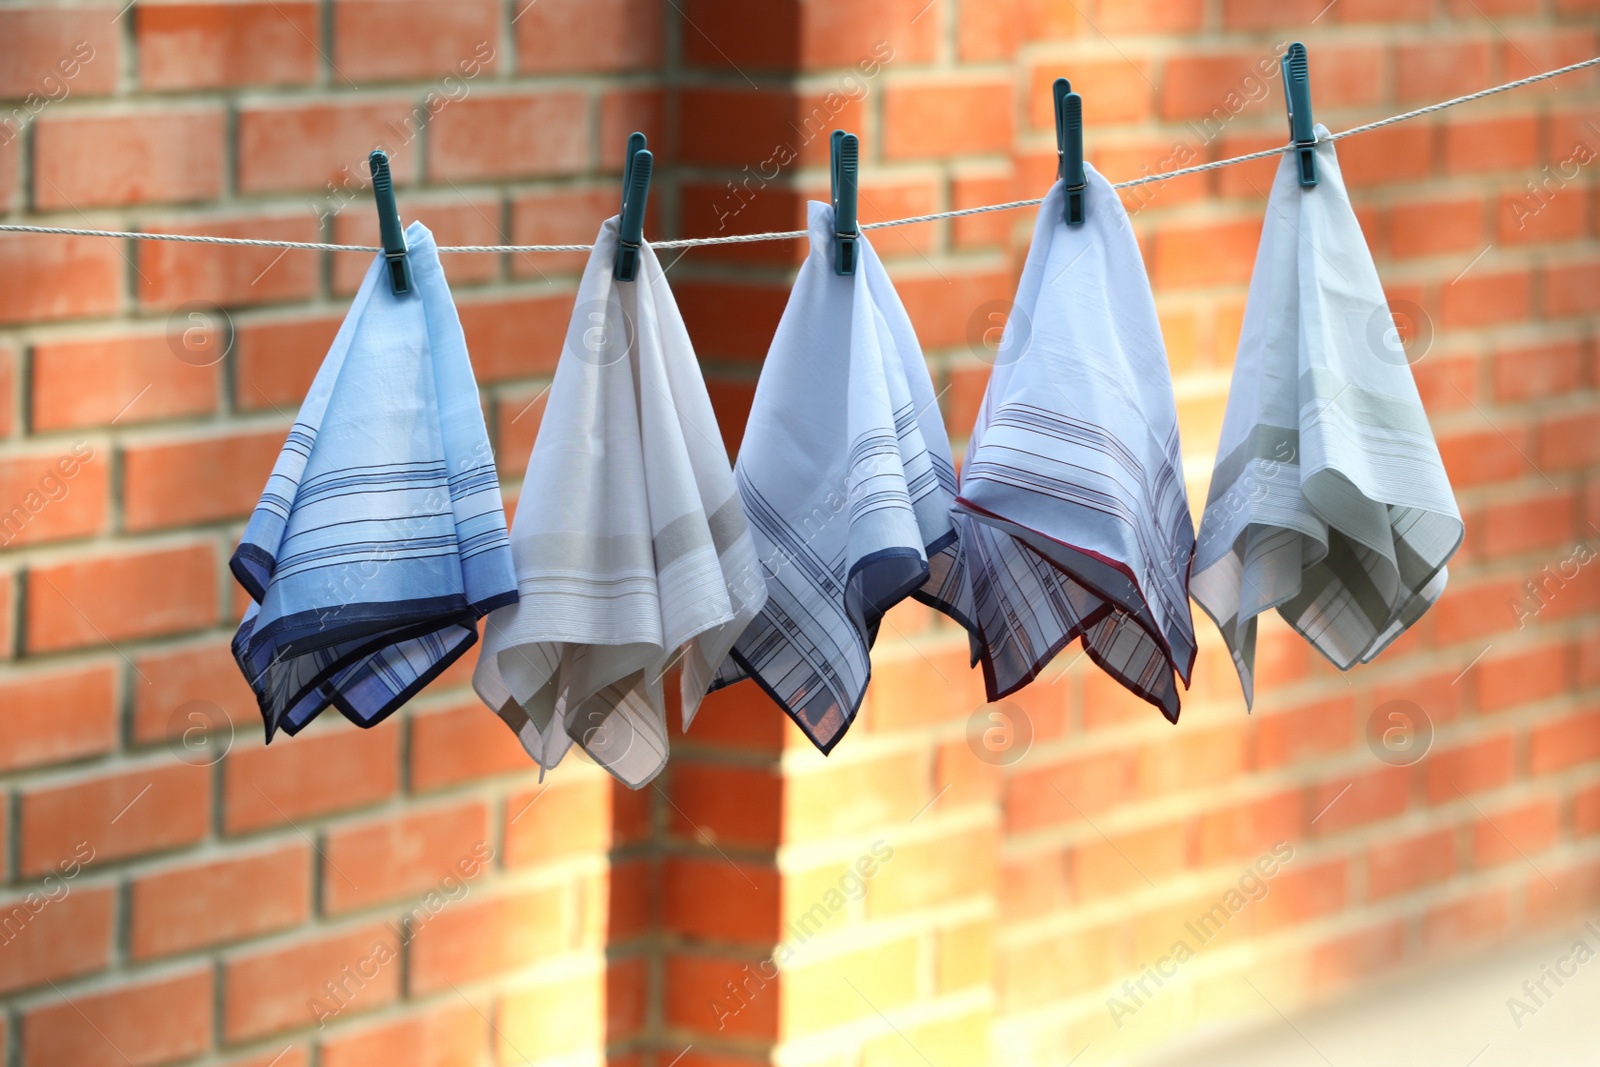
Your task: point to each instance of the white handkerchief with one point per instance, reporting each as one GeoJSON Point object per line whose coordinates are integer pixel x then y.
{"type": "Point", "coordinates": [629, 541]}
{"type": "Point", "coordinates": [1329, 501]}
{"type": "Point", "coordinates": [380, 538]}
{"type": "Point", "coordinates": [846, 476]}
{"type": "Point", "coordinates": [1073, 517]}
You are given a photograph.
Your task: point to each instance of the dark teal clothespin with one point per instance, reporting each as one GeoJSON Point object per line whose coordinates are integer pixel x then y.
{"type": "Point", "coordinates": [1297, 98]}
{"type": "Point", "coordinates": [845, 165]}
{"type": "Point", "coordinates": [1058, 93]}
{"type": "Point", "coordinates": [1072, 176]}
{"type": "Point", "coordinates": [391, 234]}
{"type": "Point", "coordinates": [635, 192]}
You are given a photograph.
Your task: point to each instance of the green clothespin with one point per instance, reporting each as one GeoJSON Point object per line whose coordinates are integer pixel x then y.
{"type": "Point", "coordinates": [392, 235]}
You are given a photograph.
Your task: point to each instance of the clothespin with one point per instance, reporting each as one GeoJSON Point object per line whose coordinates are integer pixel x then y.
{"type": "Point", "coordinates": [1297, 98]}
{"type": "Point", "coordinates": [1071, 135]}
{"type": "Point", "coordinates": [392, 235]}
{"type": "Point", "coordinates": [846, 161]}
{"type": "Point", "coordinates": [635, 192]}
{"type": "Point", "coordinates": [1058, 93]}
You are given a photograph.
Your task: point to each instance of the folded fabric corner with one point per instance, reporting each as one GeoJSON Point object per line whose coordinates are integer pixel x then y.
{"type": "Point", "coordinates": [380, 538]}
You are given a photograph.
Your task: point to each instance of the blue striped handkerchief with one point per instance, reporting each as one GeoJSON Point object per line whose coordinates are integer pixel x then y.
{"type": "Point", "coordinates": [380, 538]}
{"type": "Point", "coordinates": [846, 476]}
{"type": "Point", "coordinates": [1073, 516]}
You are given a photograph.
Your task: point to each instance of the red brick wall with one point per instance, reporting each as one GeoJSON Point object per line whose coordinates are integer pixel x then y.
{"type": "Point", "coordinates": [411, 894]}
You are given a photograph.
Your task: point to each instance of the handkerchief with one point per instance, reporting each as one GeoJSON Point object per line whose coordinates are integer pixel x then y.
{"type": "Point", "coordinates": [1073, 518]}
{"type": "Point", "coordinates": [380, 538]}
{"type": "Point", "coordinates": [632, 550]}
{"type": "Point", "coordinates": [1329, 501]}
{"type": "Point", "coordinates": [846, 476]}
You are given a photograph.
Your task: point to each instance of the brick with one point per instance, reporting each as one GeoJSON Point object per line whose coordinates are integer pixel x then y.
{"type": "Point", "coordinates": [515, 338]}
{"type": "Point", "coordinates": [737, 129]}
{"type": "Point", "coordinates": [510, 136]}
{"type": "Point", "coordinates": [941, 307]}
{"type": "Point", "coordinates": [1410, 863]}
{"type": "Point", "coordinates": [887, 789]}
{"type": "Point", "coordinates": [173, 274]}
{"type": "Point", "coordinates": [1247, 829]}
{"type": "Point", "coordinates": [1150, 16]}
{"type": "Point", "coordinates": [1561, 893]}
{"type": "Point", "coordinates": [1301, 894]}
{"type": "Point", "coordinates": [385, 40]}
{"type": "Point", "coordinates": [1542, 520]}
{"type": "Point", "coordinates": [1469, 768]}
{"type": "Point", "coordinates": [1568, 441]}
{"type": "Point", "coordinates": [1479, 917]}
{"type": "Point", "coordinates": [1524, 677]}
{"type": "Point", "coordinates": [46, 940]}
{"type": "Point", "coordinates": [85, 160]}
{"type": "Point", "coordinates": [1542, 216]}
{"type": "Point", "coordinates": [459, 221]}
{"type": "Point", "coordinates": [8, 388]}
{"type": "Point", "coordinates": [150, 1023]}
{"type": "Point", "coordinates": [138, 378]}
{"type": "Point", "coordinates": [1535, 51]}
{"type": "Point", "coordinates": [1514, 834]}
{"type": "Point", "coordinates": [884, 974]}
{"type": "Point", "coordinates": [909, 692]}
{"type": "Point", "coordinates": [709, 898]}
{"type": "Point", "coordinates": [53, 496]}
{"type": "Point", "coordinates": [558, 820]}
{"type": "Point", "coordinates": [461, 745]}
{"type": "Point", "coordinates": [9, 593]}
{"type": "Point", "coordinates": [202, 905]}
{"type": "Point", "coordinates": [1563, 743]}
{"type": "Point", "coordinates": [1216, 88]}
{"type": "Point", "coordinates": [1441, 69]}
{"type": "Point", "coordinates": [1530, 372]}
{"type": "Point", "coordinates": [560, 216]}
{"type": "Point", "coordinates": [46, 276]}
{"type": "Point", "coordinates": [324, 146]}
{"type": "Point", "coordinates": [217, 45]}
{"type": "Point", "coordinates": [1305, 732]}
{"type": "Point", "coordinates": [973, 188]}
{"type": "Point", "coordinates": [622, 111]}
{"type": "Point", "coordinates": [1477, 457]}
{"type": "Point", "coordinates": [276, 359]}
{"type": "Point", "coordinates": [564, 1018]}
{"type": "Point", "coordinates": [725, 805]}
{"type": "Point", "coordinates": [1483, 298]}
{"type": "Point", "coordinates": [1068, 791]}
{"type": "Point", "coordinates": [451, 1036]}
{"type": "Point", "coordinates": [281, 988]}
{"type": "Point", "coordinates": [1371, 797]}
{"type": "Point", "coordinates": [44, 54]}
{"type": "Point", "coordinates": [1116, 865]}
{"type": "Point", "coordinates": [1192, 759]}
{"type": "Point", "coordinates": [1259, 14]}
{"type": "Point", "coordinates": [127, 813]}
{"type": "Point", "coordinates": [1435, 226]}
{"type": "Point", "coordinates": [1586, 812]}
{"type": "Point", "coordinates": [1480, 146]}
{"type": "Point", "coordinates": [315, 773]}
{"type": "Point", "coordinates": [1059, 965]}
{"type": "Point", "coordinates": [403, 856]}
{"type": "Point", "coordinates": [1218, 254]}
{"type": "Point", "coordinates": [172, 678]}
{"type": "Point", "coordinates": [475, 939]}
{"type": "Point", "coordinates": [1385, 156]}
{"type": "Point", "coordinates": [94, 600]}
{"type": "Point", "coordinates": [958, 866]}
{"type": "Point", "coordinates": [923, 120]}
{"type": "Point", "coordinates": [718, 335]}
{"type": "Point", "coordinates": [1346, 960]}
{"type": "Point", "coordinates": [59, 715]}
{"type": "Point", "coordinates": [187, 483]}
{"type": "Point", "coordinates": [1114, 90]}
{"type": "Point", "coordinates": [517, 418]}
{"type": "Point", "coordinates": [810, 36]}
{"type": "Point", "coordinates": [1570, 288]}
{"type": "Point", "coordinates": [562, 36]}
{"type": "Point", "coordinates": [987, 31]}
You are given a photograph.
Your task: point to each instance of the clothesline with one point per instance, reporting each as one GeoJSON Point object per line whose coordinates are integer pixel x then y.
{"type": "Point", "coordinates": [794, 235]}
